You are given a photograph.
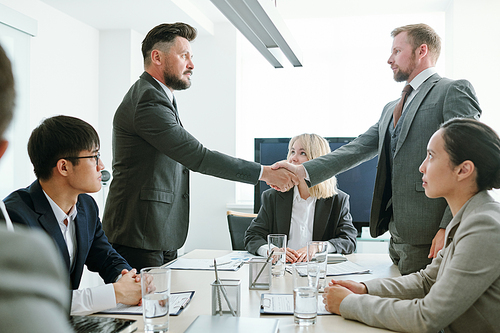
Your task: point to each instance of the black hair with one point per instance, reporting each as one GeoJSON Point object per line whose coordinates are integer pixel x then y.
{"type": "Point", "coordinates": [469, 139]}
{"type": "Point", "coordinates": [165, 33]}
{"type": "Point", "coordinates": [59, 137]}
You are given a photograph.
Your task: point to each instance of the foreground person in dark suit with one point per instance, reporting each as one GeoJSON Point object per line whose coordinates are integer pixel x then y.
{"type": "Point", "coordinates": [319, 213]}
{"type": "Point", "coordinates": [65, 154]}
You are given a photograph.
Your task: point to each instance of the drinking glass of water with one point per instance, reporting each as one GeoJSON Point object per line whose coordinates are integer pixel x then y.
{"type": "Point", "coordinates": [305, 293]}
{"type": "Point", "coordinates": [155, 284]}
{"type": "Point", "coordinates": [317, 251]}
{"type": "Point", "coordinates": [277, 244]}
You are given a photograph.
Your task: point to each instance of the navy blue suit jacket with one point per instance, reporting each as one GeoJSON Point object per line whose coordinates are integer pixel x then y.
{"type": "Point", "coordinates": [30, 207]}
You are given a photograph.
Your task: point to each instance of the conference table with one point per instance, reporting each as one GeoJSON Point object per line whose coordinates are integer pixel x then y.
{"type": "Point", "coordinates": [201, 304]}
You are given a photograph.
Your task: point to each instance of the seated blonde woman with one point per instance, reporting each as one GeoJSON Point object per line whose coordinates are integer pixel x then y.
{"type": "Point", "coordinates": [319, 213]}
{"type": "Point", "coordinates": [460, 290]}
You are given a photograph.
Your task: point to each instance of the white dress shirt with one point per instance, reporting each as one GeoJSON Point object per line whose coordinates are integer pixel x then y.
{"type": "Point", "coordinates": [301, 224]}
{"type": "Point", "coordinates": [88, 300]}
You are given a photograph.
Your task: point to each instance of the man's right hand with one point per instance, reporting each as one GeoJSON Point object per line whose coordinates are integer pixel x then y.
{"type": "Point", "coordinates": [279, 179]}
{"type": "Point", "coordinates": [128, 289]}
{"type": "Point", "coordinates": [299, 169]}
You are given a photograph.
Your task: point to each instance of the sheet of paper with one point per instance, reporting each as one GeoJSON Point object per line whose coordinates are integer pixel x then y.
{"type": "Point", "coordinates": [206, 264]}
{"type": "Point", "coordinates": [283, 304]}
{"type": "Point", "coordinates": [342, 268]}
{"type": "Point", "coordinates": [176, 301]}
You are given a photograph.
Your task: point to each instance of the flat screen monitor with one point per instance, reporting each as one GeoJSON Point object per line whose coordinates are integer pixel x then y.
{"type": "Point", "coordinates": [358, 182]}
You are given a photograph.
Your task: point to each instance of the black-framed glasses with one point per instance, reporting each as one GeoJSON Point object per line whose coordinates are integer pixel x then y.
{"type": "Point", "coordinates": [97, 157]}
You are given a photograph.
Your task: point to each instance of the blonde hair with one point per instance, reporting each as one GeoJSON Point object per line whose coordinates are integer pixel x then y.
{"type": "Point", "coordinates": [316, 146]}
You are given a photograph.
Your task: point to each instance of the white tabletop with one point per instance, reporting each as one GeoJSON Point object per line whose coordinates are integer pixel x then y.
{"type": "Point", "coordinates": [185, 280]}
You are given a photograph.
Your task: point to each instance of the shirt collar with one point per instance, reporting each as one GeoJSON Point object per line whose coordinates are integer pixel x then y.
{"type": "Point", "coordinates": [421, 77]}
{"type": "Point", "coordinates": [298, 198]}
{"type": "Point", "coordinates": [58, 212]}
{"type": "Point", "coordinates": [169, 93]}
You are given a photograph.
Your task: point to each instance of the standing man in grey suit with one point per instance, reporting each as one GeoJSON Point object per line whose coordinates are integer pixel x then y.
{"type": "Point", "coordinates": [147, 210]}
{"type": "Point", "coordinates": [415, 222]}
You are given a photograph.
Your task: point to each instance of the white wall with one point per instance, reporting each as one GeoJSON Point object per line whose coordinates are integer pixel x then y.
{"type": "Point", "coordinates": [63, 67]}
{"type": "Point", "coordinates": [208, 111]}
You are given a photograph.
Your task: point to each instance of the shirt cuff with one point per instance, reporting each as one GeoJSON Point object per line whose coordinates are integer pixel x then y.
{"type": "Point", "coordinates": [331, 248]}
{"type": "Point", "coordinates": [307, 175]}
{"type": "Point", "coordinates": [90, 300]}
{"type": "Point", "coordinates": [262, 251]}
{"type": "Point", "coordinates": [261, 171]}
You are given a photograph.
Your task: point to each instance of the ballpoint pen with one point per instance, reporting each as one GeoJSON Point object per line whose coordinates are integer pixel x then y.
{"type": "Point", "coordinates": [222, 263]}
{"type": "Point", "coordinates": [217, 287]}
{"type": "Point", "coordinates": [221, 287]}
{"type": "Point", "coordinates": [263, 266]}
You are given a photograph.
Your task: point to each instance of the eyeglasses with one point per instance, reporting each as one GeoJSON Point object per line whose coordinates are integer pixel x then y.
{"type": "Point", "coordinates": [97, 157]}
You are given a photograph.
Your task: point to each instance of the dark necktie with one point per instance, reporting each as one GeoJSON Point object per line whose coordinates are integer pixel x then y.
{"type": "Point", "coordinates": [398, 110]}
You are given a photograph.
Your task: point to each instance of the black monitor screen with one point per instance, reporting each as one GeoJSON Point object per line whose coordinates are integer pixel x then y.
{"type": "Point", "coordinates": [357, 182]}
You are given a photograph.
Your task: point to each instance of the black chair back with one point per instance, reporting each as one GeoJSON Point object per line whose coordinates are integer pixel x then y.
{"type": "Point", "coordinates": [238, 223]}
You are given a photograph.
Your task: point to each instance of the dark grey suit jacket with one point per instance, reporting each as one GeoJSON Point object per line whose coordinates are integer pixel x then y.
{"type": "Point", "coordinates": [148, 202]}
{"type": "Point", "coordinates": [332, 221]}
{"type": "Point", "coordinates": [417, 217]}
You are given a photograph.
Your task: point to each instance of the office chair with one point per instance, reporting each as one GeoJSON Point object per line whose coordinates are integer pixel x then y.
{"type": "Point", "coordinates": [238, 224]}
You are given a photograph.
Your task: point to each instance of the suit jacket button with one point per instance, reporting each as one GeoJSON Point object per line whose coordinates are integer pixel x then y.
{"type": "Point", "coordinates": [186, 195]}
{"type": "Point", "coordinates": [185, 171]}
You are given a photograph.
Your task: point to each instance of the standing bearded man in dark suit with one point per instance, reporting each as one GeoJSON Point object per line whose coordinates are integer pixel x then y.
{"type": "Point", "coordinates": [147, 210]}
{"type": "Point", "coordinates": [416, 223]}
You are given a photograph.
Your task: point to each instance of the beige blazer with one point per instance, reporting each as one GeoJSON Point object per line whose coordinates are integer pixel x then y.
{"type": "Point", "coordinates": [459, 291]}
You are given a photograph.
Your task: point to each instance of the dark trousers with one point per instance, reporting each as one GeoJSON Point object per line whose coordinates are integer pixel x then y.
{"type": "Point", "coordinates": [140, 258]}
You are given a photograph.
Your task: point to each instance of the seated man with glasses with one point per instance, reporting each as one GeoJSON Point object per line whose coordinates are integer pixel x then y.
{"type": "Point", "coordinates": [64, 152]}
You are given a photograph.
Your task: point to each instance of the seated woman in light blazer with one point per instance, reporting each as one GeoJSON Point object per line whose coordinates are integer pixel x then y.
{"type": "Point", "coordinates": [319, 213]}
{"type": "Point", "coordinates": [460, 290]}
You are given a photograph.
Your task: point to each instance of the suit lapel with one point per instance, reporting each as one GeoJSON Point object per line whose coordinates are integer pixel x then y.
{"type": "Point", "coordinates": [413, 107]}
{"type": "Point", "coordinates": [82, 237]}
{"type": "Point", "coordinates": [47, 219]}
{"type": "Point", "coordinates": [146, 76]}
{"type": "Point", "coordinates": [321, 217]}
{"type": "Point", "coordinates": [284, 203]}
{"type": "Point", "coordinates": [385, 123]}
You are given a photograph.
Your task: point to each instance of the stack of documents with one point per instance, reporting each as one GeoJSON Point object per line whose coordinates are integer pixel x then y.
{"type": "Point", "coordinates": [177, 303]}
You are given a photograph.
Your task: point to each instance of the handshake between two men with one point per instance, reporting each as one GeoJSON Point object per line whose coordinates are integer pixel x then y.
{"type": "Point", "coordinates": [282, 175]}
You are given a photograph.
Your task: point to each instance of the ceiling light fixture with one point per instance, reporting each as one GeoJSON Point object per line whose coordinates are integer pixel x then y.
{"type": "Point", "coordinates": [260, 22]}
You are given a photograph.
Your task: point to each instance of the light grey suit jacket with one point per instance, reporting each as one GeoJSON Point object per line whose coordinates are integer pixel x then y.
{"type": "Point", "coordinates": [417, 217]}
{"type": "Point", "coordinates": [148, 202]}
{"type": "Point", "coordinates": [34, 292]}
{"type": "Point", "coordinates": [332, 221]}
{"type": "Point", "coordinates": [458, 291]}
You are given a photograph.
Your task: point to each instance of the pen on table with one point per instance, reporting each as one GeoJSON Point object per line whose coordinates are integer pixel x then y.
{"type": "Point", "coordinates": [185, 303]}
{"type": "Point", "coordinates": [222, 263]}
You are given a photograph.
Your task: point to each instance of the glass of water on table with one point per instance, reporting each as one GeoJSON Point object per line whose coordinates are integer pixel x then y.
{"type": "Point", "coordinates": [155, 285]}
{"type": "Point", "coordinates": [317, 251]}
{"type": "Point", "coordinates": [305, 293]}
{"type": "Point", "coordinates": [277, 244]}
